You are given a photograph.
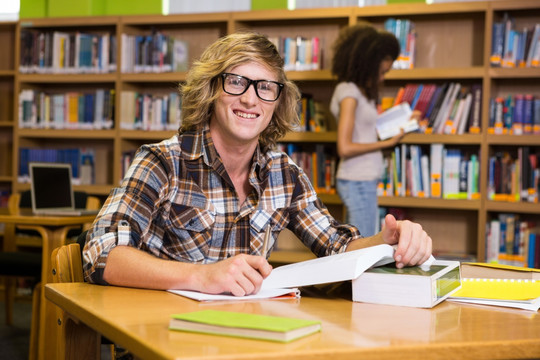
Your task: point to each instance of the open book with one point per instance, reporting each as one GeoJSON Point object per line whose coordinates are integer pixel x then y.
{"type": "Point", "coordinates": [390, 122]}
{"type": "Point", "coordinates": [286, 279]}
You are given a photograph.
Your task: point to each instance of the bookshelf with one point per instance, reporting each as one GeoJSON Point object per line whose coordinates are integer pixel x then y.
{"type": "Point", "coordinates": [453, 45]}
{"type": "Point", "coordinates": [8, 83]}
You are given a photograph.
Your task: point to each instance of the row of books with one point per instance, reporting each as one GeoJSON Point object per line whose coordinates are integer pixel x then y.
{"type": "Point", "coordinates": [67, 52]}
{"type": "Point", "coordinates": [514, 176]}
{"type": "Point", "coordinates": [311, 115]}
{"type": "Point", "coordinates": [405, 32]}
{"type": "Point", "coordinates": [82, 162]}
{"type": "Point", "coordinates": [150, 111]}
{"type": "Point", "coordinates": [512, 48]}
{"type": "Point", "coordinates": [299, 53]}
{"type": "Point", "coordinates": [155, 53]}
{"type": "Point", "coordinates": [513, 241]}
{"type": "Point", "coordinates": [319, 165]}
{"type": "Point", "coordinates": [516, 115]}
{"type": "Point", "coordinates": [450, 108]}
{"type": "Point", "coordinates": [70, 110]}
{"type": "Point", "coordinates": [411, 170]}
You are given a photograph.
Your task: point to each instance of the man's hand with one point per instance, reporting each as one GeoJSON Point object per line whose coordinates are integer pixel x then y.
{"type": "Point", "coordinates": [414, 244]}
{"type": "Point", "coordinates": [239, 275]}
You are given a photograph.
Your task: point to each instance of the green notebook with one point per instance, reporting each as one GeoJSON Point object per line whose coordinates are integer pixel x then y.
{"type": "Point", "coordinates": [263, 327]}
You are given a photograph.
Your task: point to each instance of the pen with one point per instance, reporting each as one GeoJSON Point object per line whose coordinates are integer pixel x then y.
{"type": "Point", "coordinates": [267, 235]}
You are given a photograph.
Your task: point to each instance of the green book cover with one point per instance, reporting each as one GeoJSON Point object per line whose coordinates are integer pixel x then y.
{"type": "Point", "coordinates": [265, 327]}
{"type": "Point", "coordinates": [410, 270]}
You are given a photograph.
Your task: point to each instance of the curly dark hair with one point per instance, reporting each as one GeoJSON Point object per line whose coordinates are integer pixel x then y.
{"type": "Point", "coordinates": [358, 53]}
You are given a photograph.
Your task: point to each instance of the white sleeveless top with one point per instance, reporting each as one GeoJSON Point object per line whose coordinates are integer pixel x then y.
{"type": "Point", "coordinates": [367, 166]}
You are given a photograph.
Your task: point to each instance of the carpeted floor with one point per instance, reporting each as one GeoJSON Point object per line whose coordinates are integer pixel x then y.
{"type": "Point", "coordinates": [15, 339]}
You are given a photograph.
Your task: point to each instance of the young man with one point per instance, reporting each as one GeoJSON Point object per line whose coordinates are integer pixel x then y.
{"type": "Point", "coordinates": [192, 210]}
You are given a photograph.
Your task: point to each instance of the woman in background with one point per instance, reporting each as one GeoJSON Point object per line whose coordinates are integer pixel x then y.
{"type": "Point", "coordinates": [362, 55]}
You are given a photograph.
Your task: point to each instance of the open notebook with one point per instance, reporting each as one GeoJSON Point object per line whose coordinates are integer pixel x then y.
{"type": "Point", "coordinates": [52, 193]}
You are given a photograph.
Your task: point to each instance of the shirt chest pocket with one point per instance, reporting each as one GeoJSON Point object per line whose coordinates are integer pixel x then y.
{"type": "Point", "coordinates": [192, 218]}
{"type": "Point", "coordinates": [260, 220]}
{"type": "Point", "coordinates": [193, 228]}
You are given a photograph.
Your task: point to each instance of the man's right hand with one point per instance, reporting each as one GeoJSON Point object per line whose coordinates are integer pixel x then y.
{"type": "Point", "coordinates": [239, 275]}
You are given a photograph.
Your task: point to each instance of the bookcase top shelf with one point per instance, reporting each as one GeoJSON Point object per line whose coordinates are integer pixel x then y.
{"type": "Point", "coordinates": [68, 78]}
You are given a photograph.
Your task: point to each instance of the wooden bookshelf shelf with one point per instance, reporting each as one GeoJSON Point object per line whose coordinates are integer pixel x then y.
{"type": "Point", "coordinates": [515, 140]}
{"type": "Point", "coordinates": [67, 134]}
{"type": "Point", "coordinates": [153, 77]}
{"type": "Point", "coordinates": [521, 73]}
{"type": "Point", "coordinates": [476, 72]}
{"type": "Point", "coordinates": [67, 78]}
{"type": "Point", "coordinates": [146, 135]}
{"type": "Point", "coordinates": [427, 203]}
{"type": "Point", "coordinates": [311, 137]}
{"type": "Point", "coordinates": [465, 139]}
{"type": "Point", "coordinates": [513, 207]}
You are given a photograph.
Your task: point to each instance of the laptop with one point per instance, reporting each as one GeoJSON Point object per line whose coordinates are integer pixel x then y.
{"type": "Point", "coordinates": [52, 193]}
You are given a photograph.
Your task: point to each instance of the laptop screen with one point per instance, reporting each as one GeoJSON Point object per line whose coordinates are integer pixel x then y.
{"type": "Point", "coordinates": [51, 186]}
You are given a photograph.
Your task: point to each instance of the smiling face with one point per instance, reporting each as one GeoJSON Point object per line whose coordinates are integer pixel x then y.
{"type": "Point", "coordinates": [239, 119]}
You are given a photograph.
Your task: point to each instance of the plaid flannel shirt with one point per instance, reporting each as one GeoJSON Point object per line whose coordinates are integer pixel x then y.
{"type": "Point", "coordinates": [177, 202]}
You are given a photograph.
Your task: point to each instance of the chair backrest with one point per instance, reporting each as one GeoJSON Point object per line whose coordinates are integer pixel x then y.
{"type": "Point", "coordinates": [13, 203]}
{"type": "Point", "coordinates": [67, 267]}
{"type": "Point", "coordinates": [67, 264]}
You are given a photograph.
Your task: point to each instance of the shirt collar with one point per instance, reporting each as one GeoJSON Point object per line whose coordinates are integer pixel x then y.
{"type": "Point", "coordinates": [197, 143]}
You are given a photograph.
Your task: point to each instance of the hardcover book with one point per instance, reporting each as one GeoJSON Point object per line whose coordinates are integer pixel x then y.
{"type": "Point", "coordinates": [418, 286]}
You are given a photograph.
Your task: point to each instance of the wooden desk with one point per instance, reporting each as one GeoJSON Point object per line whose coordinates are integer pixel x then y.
{"type": "Point", "coordinates": [53, 231]}
{"type": "Point", "coordinates": [138, 320]}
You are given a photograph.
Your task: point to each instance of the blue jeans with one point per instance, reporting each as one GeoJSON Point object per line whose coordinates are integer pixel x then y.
{"type": "Point", "coordinates": [360, 199]}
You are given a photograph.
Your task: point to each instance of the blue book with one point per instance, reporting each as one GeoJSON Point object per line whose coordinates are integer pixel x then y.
{"type": "Point", "coordinates": [518, 115]}
{"type": "Point", "coordinates": [528, 108]}
{"type": "Point", "coordinates": [532, 250]}
{"type": "Point", "coordinates": [536, 116]}
{"type": "Point", "coordinates": [507, 116]}
{"type": "Point", "coordinates": [497, 44]}
{"type": "Point", "coordinates": [502, 239]}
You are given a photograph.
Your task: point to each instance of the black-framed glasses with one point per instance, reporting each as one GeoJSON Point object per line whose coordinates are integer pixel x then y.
{"type": "Point", "coordinates": [266, 90]}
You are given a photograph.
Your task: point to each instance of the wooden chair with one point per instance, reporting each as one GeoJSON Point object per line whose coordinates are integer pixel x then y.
{"type": "Point", "coordinates": [66, 263]}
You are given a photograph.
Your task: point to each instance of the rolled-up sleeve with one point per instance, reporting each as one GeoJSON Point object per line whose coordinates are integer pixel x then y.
{"type": "Point", "coordinates": [134, 204]}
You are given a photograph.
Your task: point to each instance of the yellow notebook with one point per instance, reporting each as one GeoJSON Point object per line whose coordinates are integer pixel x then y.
{"type": "Point", "coordinates": [499, 289]}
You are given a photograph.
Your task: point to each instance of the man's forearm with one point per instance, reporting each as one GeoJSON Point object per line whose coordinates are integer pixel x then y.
{"type": "Point", "coordinates": [127, 266]}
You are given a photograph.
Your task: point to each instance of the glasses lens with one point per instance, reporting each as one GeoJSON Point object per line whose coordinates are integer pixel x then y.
{"type": "Point", "coordinates": [234, 84]}
{"type": "Point", "coordinates": [268, 90]}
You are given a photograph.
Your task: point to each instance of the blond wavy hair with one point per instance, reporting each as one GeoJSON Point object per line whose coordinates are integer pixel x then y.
{"type": "Point", "coordinates": [202, 87]}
